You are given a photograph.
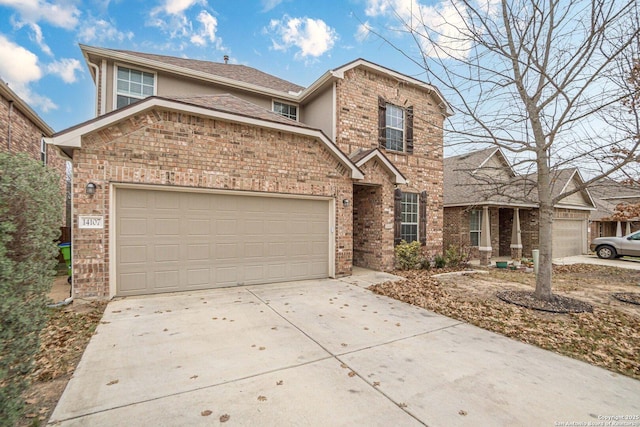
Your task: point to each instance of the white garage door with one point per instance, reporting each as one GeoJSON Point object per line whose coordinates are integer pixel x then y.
{"type": "Point", "coordinates": [569, 237]}
{"type": "Point", "coordinates": [170, 241]}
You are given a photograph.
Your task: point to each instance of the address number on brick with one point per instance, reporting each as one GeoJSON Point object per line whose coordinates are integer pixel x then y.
{"type": "Point", "coordinates": [90, 221]}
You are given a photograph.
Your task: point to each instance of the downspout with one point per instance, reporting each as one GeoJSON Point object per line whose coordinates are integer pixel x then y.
{"type": "Point", "coordinates": [9, 126]}
{"type": "Point", "coordinates": [96, 69]}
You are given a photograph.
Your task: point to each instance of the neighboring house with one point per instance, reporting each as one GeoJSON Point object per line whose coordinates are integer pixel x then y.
{"type": "Point", "coordinates": [607, 194]}
{"type": "Point", "coordinates": [23, 131]}
{"type": "Point", "coordinates": [483, 185]}
{"type": "Point", "coordinates": [215, 174]}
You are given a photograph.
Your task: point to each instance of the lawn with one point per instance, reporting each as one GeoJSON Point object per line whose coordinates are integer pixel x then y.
{"type": "Point", "coordinates": [608, 337]}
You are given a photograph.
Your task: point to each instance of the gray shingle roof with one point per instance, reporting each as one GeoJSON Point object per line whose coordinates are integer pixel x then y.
{"type": "Point", "coordinates": [231, 71]}
{"type": "Point", "coordinates": [607, 193]}
{"type": "Point", "coordinates": [232, 104]}
{"type": "Point", "coordinates": [467, 183]}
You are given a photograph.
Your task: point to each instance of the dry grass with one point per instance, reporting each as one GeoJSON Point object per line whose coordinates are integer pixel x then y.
{"type": "Point", "coordinates": [63, 341]}
{"type": "Point", "coordinates": [609, 337]}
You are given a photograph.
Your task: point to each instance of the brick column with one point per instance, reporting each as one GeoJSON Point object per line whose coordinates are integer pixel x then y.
{"type": "Point", "coordinates": [516, 236]}
{"type": "Point", "coordinates": [485, 238]}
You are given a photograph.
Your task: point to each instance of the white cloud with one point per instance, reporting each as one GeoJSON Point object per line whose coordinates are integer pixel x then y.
{"type": "Point", "coordinates": [172, 18]}
{"type": "Point", "coordinates": [267, 5]}
{"type": "Point", "coordinates": [178, 7]}
{"type": "Point", "coordinates": [39, 39]}
{"type": "Point", "coordinates": [65, 68]}
{"type": "Point", "coordinates": [19, 67]}
{"type": "Point", "coordinates": [440, 26]}
{"type": "Point", "coordinates": [99, 30]}
{"type": "Point", "coordinates": [363, 31]}
{"type": "Point", "coordinates": [209, 26]}
{"type": "Point", "coordinates": [61, 13]}
{"type": "Point", "coordinates": [313, 37]}
{"type": "Point", "coordinates": [17, 64]}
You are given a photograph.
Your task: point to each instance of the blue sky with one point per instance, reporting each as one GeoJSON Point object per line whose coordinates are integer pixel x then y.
{"type": "Point", "coordinates": [293, 39]}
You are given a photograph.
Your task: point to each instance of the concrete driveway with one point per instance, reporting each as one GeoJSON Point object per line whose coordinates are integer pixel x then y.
{"type": "Point", "coordinates": [325, 352]}
{"type": "Point", "coordinates": [631, 263]}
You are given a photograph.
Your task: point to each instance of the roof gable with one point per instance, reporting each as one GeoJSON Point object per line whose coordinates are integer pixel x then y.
{"type": "Point", "coordinates": [72, 137]}
{"type": "Point", "coordinates": [362, 157]}
{"type": "Point", "coordinates": [231, 75]}
{"type": "Point", "coordinates": [485, 177]}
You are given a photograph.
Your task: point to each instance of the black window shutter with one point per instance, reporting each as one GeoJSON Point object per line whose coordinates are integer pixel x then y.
{"type": "Point", "coordinates": [382, 122]}
{"type": "Point", "coordinates": [397, 216]}
{"type": "Point", "coordinates": [422, 222]}
{"type": "Point", "coordinates": [410, 130]}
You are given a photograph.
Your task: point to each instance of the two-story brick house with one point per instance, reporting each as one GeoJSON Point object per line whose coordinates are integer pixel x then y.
{"type": "Point", "coordinates": [198, 174]}
{"type": "Point", "coordinates": [23, 131]}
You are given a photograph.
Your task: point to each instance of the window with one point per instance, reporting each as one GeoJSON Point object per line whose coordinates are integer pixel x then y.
{"type": "Point", "coordinates": [475, 219]}
{"type": "Point", "coordinates": [43, 151]}
{"type": "Point", "coordinates": [287, 110]}
{"type": "Point", "coordinates": [132, 86]}
{"type": "Point", "coordinates": [394, 131]}
{"type": "Point", "coordinates": [409, 231]}
{"type": "Point", "coordinates": [395, 127]}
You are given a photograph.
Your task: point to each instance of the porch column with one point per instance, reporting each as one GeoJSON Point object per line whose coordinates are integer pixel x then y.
{"type": "Point", "coordinates": [619, 229]}
{"type": "Point", "coordinates": [485, 238]}
{"type": "Point", "coordinates": [628, 228]}
{"type": "Point", "coordinates": [516, 236]}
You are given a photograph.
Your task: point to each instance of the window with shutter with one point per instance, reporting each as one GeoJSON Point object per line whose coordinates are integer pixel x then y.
{"type": "Point", "coordinates": [395, 127]}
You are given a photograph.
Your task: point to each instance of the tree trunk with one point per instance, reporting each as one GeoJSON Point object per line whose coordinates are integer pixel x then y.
{"type": "Point", "coordinates": [544, 277]}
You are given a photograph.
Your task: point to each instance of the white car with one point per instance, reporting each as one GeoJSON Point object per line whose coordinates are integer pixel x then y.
{"type": "Point", "coordinates": [615, 247]}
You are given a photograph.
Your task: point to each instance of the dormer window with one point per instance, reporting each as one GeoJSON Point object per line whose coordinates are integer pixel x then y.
{"type": "Point", "coordinates": [395, 127]}
{"type": "Point", "coordinates": [133, 85]}
{"type": "Point", "coordinates": [286, 110]}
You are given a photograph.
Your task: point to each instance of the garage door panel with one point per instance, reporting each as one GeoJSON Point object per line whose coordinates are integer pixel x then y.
{"type": "Point", "coordinates": [133, 282]}
{"type": "Point", "coordinates": [133, 226]}
{"type": "Point", "coordinates": [226, 227]}
{"type": "Point", "coordinates": [164, 253]}
{"type": "Point", "coordinates": [170, 241]}
{"type": "Point", "coordinates": [166, 280]}
{"type": "Point", "coordinates": [198, 227]}
{"type": "Point", "coordinates": [198, 277]}
{"type": "Point", "coordinates": [198, 252]}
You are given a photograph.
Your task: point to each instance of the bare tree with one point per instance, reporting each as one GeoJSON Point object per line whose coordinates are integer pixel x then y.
{"type": "Point", "coordinates": [544, 80]}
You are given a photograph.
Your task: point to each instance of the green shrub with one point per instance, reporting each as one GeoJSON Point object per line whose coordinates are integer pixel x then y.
{"type": "Point", "coordinates": [30, 216]}
{"type": "Point", "coordinates": [456, 256]}
{"type": "Point", "coordinates": [439, 261]}
{"type": "Point", "coordinates": [408, 255]}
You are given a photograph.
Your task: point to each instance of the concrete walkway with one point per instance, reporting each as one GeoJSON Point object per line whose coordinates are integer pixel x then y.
{"type": "Point", "coordinates": [316, 353]}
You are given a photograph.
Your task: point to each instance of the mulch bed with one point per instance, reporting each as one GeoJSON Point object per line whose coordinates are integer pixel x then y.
{"type": "Point", "coordinates": [556, 304]}
{"type": "Point", "coordinates": [628, 297]}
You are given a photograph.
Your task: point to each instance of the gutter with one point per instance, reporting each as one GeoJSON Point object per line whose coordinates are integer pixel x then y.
{"type": "Point", "coordinates": [9, 125]}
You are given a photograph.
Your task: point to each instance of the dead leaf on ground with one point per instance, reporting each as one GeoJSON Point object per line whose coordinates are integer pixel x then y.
{"type": "Point", "coordinates": [113, 382]}
{"type": "Point", "coordinates": [262, 398]}
{"type": "Point", "coordinates": [352, 374]}
{"type": "Point", "coordinates": [462, 412]}
{"type": "Point", "coordinates": [280, 382]}
{"type": "Point", "coordinates": [224, 418]}
{"type": "Point", "coordinates": [206, 413]}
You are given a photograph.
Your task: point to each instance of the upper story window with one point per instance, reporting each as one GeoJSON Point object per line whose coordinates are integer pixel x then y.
{"type": "Point", "coordinates": [133, 85]}
{"type": "Point", "coordinates": [395, 127]}
{"type": "Point", "coordinates": [394, 130]}
{"type": "Point", "coordinates": [287, 110]}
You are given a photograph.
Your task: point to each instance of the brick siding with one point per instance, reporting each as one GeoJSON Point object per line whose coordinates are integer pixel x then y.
{"type": "Point", "coordinates": [176, 149]}
{"type": "Point", "coordinates": [25, 138]}
{"type": "Point", "coordinates": [357, 127]}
